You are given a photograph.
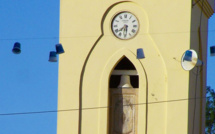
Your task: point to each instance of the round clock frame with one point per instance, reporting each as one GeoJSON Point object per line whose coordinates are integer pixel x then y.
{"type": "Point", "coordinates": [125, 25]}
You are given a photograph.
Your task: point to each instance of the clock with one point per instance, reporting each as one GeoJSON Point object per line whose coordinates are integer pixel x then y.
{"type": "Point", "coordinates": [125, 25]}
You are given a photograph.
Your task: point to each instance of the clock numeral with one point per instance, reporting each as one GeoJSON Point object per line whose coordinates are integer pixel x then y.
{"type": "Point", "coordinates": [120, 34]}
{"type": "Point", "coordinates": [116, 20]}
{"type": "Point", "coordinates": [134, 25]}
{"type": "Point", "coordinates": [116, 31]}
{"type": "Point", "coordinates": [115, 25]}
{"type": "Point", "coordinates": [125, 15]}
{"type": "Point", "coordinates": [133, 21]}
{"type": "Point", "coordinates": [130, 34]}
{"type": "Point", "coordinates": [133, 31]}
{"type": "Point", "coordinates": [130, 17]}
{"type": "Point", "coordinates": [120, 17]}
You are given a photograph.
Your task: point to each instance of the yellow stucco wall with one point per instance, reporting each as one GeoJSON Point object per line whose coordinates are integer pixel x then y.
{"type": "Point", "coordinates": [92, 51]}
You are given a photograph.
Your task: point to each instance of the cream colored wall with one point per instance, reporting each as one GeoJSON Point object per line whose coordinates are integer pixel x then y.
{"type": "Point", "coordinates": [92, 51]}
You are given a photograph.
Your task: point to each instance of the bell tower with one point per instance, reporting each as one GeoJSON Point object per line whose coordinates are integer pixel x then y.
{"type": "Point", "coordinates": [106, 87]}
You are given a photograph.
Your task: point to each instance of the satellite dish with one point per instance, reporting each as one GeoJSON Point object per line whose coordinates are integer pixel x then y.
{"type": "Point", "coordinates": [190, 59]}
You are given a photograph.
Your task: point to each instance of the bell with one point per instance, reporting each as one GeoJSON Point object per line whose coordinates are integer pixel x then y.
{"type": "Point", "coordinates": [212, 50]}
{"type": "Point", "coordinates": [16, 48]}
{"type": "Point", "coordinates": [188, 56]}
{"type": "Point", "coordinates": [53, 56]}
{"type": "Point", "coordinates": [59, 49]}
{"type": "Point", "coordinates": [125, 82]}
{"type": "Point", "coordinates": [140, 53]}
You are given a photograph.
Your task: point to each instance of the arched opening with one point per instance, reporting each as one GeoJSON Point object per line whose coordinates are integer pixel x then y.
{"type": "Point", "coordinates": [124, 64]}
{"type": "Point", "coordinates": [123, 93]}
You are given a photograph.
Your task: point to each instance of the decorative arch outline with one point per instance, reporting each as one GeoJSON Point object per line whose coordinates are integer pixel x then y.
{"type": "Point", "coordinates": [108, 68]}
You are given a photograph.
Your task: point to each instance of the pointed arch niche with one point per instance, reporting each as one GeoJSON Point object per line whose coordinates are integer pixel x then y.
{"type": "Point", "coordinates": [112, 94]}
{"type": "Point", "coordinates": [123, 97]}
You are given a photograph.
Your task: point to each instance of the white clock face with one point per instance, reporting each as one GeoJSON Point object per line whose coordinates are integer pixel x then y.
{"type": "Point", "coordinates": [125, 25]}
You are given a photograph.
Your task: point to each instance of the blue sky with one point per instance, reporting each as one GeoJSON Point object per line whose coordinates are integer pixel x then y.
{"type": "Point", "coordinates": [28, 82]}
{"type": "Point", "coordinates": [211, 59]}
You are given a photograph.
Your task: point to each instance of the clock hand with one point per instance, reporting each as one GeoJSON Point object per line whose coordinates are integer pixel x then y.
{"type": "Point", "coordinates": [125, 30]}
{"type": "Point", "coordinates": [121, 28]}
